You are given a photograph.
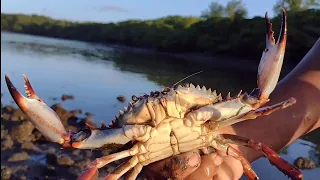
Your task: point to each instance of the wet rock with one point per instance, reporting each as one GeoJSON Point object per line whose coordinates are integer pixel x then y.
{"type": "Point", "coordinates": [63, 113]}
{"type": "Point", "coordinates": [5, 116]}
{"type": "Point", "coordinates": [86, 121]}
{"type": "Point", "coordinates": [50, 170]}
{"type": "Point", "coordinates": [23, 177]}
{"type": "Point", "coordinates": [23, 132]}
{"type": "Point", "coordinates": [121, 98]}
{"type": "Point", "coordinates": [50, 150]}
{"type": "Point", "coordinates": [21, 156]}
{"type": "Point", "coordinates": [88, 114]}
{"type": "Point", "coordinates": [304, 163]}
{"type": "Point", "coordinates": [7, 143]}
{"type": "Point", "coordinates": [4, 133]}
{"type": "Point", "coordinates": [83, 164]}
{"type": "Point", "coordinates": [66, 97]}
{"type": "Point", "coordinates": [76, 152]}
{"type": "Point", "coordinates": [30, 146]}
{"type": "Point", "coordinates": [18, 115]}
{"type": "Point", "coordinates": [8, 109]}
{"type": "Point", "coordinates": [75, 112]}
{"type": "Point", "coordinates": [6, 173]}
{"type": "Point", "coordinates": [51, 159]}
{"type": "Point", "coordinates": [65, 161]}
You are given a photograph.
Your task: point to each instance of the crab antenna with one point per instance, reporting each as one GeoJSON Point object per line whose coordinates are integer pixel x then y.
{"type": "Point", "coordinates": [175, 84]}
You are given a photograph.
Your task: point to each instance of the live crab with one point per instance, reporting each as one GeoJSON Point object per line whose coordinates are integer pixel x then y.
{"type": "Point", "coordinates": [175, 120]}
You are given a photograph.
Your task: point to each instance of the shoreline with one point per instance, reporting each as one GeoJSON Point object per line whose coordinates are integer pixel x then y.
{"type": "Point", "coordinates": [199, 59]}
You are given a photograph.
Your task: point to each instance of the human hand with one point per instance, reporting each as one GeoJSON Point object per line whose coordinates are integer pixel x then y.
{"type": "Point", "coordinates": [302, 83]}
{"type": "Point", "coordinates": [191, 165]}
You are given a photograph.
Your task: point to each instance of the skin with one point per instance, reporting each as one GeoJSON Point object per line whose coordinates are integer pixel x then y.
{"type": "Point", "coordinates": [302, 83]}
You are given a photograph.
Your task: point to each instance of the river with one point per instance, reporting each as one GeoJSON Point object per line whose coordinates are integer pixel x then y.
{"type": "Point", "coordinates": [95, 75]}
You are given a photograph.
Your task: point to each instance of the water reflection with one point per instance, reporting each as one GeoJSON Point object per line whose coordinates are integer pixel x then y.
{"type": "Point", "coordinates": [97, 74]}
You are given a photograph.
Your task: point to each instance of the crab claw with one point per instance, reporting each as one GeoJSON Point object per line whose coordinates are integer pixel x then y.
{"type": "Point", "coordinates": [272, 58]}
{"type": "Point", "coordinates": [41, 116]}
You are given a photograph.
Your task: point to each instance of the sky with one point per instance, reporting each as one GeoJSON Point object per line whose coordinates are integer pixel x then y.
{"type": "Point", "coordinates": [120, 10]}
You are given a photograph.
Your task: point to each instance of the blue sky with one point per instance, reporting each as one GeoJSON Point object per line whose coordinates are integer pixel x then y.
{"type": "Point", "coordinates": [119, 10]}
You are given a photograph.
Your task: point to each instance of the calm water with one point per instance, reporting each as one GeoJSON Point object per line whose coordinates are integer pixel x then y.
{"type": "Point", "coordinates": [97, 74]}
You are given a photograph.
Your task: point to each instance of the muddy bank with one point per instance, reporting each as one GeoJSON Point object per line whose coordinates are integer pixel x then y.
{"type": "Point", "coordinates": [26, 154]}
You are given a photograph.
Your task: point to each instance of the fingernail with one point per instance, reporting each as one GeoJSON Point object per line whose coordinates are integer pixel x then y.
{"type": "Point", "coordinates": [194, 160]}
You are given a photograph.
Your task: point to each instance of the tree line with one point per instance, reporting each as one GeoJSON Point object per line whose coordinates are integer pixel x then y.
{"type": "Point", "coordinates": [219, 30]}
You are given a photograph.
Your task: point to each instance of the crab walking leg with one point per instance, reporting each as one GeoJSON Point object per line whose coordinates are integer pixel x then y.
{"type": "Point", "coordinates": [272, 156]}
{"type": "Point", "coordinates": [133, 174]}
{"type": "Point", "coordinates": [272, 59]}
{"type": "Point", "coordinates": [253, 114]}
{"type": "Point", "coordinates": [230, 151]}
{"type": "Point", "coordinates": [122, 169]}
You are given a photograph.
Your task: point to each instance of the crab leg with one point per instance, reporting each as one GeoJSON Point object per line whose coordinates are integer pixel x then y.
{"type": "Point", "coordinates": [253, 114]}
{"type": "Point", "coordinates": [272, 59]}
{"type": "Point", "coordinates": [134, 172]}
{"type": "Point", "coordinates": [272, 156]}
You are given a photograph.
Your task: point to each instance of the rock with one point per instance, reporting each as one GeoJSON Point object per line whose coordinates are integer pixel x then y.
{"type": "Point", "coordinates": [7, 143]}
{"type": "Point", "coordinates": [88, 114]}
{"type": "Point", "coordinates": [50, 170]}
{"type": "Point", "coordinates": [5, 116]}
{"type": "Point", "coordinates": [21, 156]}
{"type": "Point", "coordinates": [30, 146]}
{"type": "Point", "coordinates": [51, 159]}
{"type": "Point", "coordinates": [82, 164]}
{"type": "Point", "coordinates": [304, 163]}
{"type": "Point", "coordinates": [75, 112]}
{"type": "Point", "coordinates": [23, 132]}
{"type": "Point", "coordinates": [65, 161]}
{"type": "Point", "coordinates": [5, 173]}
{"type": "Point", "coordinates": [23, 177]}
{"type": "Point", "coordinates": [18, 115]}
{"type": "Point", "coordinates": [62, 112]}
{"type": "Point", "coordinates": [66, 97]}
{"type": "Point", "coordinates": [4, 133]}
{"type": "Point", "coordinates": [121, 98]}
{"type": "Point", "coordinates": [8, 109]}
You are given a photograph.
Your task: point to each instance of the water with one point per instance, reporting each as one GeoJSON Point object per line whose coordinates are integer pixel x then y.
{"type": "Point", "coordinates": [97, 74]}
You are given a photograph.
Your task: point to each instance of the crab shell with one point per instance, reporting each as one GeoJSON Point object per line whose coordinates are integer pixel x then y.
{"type": "Point", "coordinates": [172, 121]}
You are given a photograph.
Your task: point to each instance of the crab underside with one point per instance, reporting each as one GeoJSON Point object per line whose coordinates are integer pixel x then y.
{"type": "Point", "coordinates": [175, 120]}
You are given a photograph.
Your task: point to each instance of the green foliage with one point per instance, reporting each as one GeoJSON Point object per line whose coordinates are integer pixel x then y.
{"type": "Point", "coordinates": [295, 5]}
{"type": "Point", "coordinates": [234, 9]}
{"type": "Point", "coordinates": [215, 35]}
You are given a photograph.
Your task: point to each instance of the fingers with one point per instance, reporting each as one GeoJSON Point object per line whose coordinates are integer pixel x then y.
{"type": "Point", "coordinates": [230, 169]}
{"type": "Point", "coordinates": [176, 167]}
{"type": "Point", "coordinates": [208, 167]}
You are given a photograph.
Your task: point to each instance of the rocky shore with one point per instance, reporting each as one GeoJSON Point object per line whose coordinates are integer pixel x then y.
{"type": "Point", "coordinates": [26, 154]}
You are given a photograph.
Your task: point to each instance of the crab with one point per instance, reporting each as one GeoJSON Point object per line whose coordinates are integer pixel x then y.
{"type": "Point", "coordinates": [174, 120]}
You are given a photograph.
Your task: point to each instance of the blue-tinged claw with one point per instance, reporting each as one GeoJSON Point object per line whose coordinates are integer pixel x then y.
{"type": "Point", "coordinates": [41, 116]}
{"type": "Point", "coordinates": [272, 59]}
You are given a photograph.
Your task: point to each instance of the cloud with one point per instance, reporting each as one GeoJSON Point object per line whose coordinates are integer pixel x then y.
{"type": "Point", "coordinates": [108, 8]}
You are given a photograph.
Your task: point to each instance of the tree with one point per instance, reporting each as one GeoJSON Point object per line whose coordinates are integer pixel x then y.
{"type": "Point", "coordinates": [214, 10]}
{"type": "Point", "coordinates": [295, 5]}
{"type": "Point", "coordinates": [234, 9]}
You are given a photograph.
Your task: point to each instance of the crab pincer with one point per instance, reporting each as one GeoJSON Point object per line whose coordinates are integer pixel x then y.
{"type": "Point", "coordinates": [41, 116]}
{"type": "Point", "coordinates": [272, 59]}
